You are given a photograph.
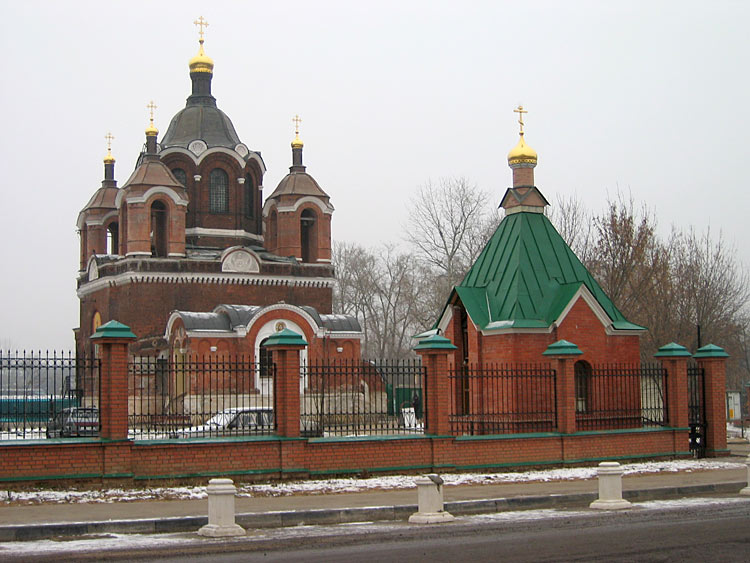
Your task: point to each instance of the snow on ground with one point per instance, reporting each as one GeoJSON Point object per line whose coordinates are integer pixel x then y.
{"type": "Point", "coordinates": [348, 485]}
{"type": "Point", "coordinates": [103, 542]}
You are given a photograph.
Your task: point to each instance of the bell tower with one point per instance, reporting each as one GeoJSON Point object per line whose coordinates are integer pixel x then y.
{"type": "Point", "coordinates": [298, 213]}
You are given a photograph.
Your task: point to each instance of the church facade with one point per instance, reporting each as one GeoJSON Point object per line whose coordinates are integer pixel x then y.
{"type": "Point", "coordinates": [190, 257]}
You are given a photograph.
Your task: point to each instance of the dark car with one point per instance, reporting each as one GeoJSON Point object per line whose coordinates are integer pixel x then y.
{"type": "Point", "coordinates": [74, 422]}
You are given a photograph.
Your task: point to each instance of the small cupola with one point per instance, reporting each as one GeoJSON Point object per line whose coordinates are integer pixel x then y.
{"type": "Point", "coordinates": [522, 159]}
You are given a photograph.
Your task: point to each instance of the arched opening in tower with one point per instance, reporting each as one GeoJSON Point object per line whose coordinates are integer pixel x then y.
{"type": "Point", "coordinates": [159, 229]}
{"type": "Point", "coordinates": [309, 236]}
{"type": "Point", "coordinates": [113, 240]}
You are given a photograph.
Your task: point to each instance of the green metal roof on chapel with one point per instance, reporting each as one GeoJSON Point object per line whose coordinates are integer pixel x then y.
{"type": "Point", "coordinates": [526, 276]}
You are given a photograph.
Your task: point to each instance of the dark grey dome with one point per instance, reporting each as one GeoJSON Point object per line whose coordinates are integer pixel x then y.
{"type": "Point", "coordinates": [205, 122]}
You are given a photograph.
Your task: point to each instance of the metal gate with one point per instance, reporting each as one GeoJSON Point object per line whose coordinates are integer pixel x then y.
{"type": "Point", "coordinates": [697, 410]}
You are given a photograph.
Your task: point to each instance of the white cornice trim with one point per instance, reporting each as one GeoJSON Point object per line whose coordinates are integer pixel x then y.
{"type": "Point", "coordinates": [196, 278]}
{"type": "Point", "coordinates": [100, 222]}
{"type": "Point", "coordinates": [317, 331]}
{"type": "Point", "coordinates": [252, 155]}
{"type": "Point", "coordinates": [324, 207]}
{"type": "Point", "coordinates": [204, 232]}
{"type": "Point", "coordinates": [158, 190]}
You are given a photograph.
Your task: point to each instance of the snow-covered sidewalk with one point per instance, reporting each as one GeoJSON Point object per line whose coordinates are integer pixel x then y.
{"type": "Point", "coordinates": [349, 485]}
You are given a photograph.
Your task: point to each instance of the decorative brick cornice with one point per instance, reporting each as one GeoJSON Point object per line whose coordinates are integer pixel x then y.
{"type": "Point", "coordinates": [199, 279]}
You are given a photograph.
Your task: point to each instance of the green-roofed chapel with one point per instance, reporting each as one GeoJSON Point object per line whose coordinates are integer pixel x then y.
{"type": "Point", "coordinates": [528, 289]}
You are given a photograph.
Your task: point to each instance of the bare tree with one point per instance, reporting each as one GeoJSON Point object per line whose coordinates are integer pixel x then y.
{"type": "Point", "coordinates": [575, 224]}
{"type": "Point", "coordinates": [381, 289]}
{"type": "Point", "coordinates": [449, 224]}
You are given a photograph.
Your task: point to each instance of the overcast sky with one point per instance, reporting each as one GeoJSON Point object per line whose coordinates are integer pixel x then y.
{"type": "Point", "coordinates": [650, 97]}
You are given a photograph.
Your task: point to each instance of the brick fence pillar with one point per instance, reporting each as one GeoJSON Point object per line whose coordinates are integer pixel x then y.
{"type": "Point", "coordinates": [112, 341]}
{"type": "Point", "coordinates": [564, 354]}
{"type": "Point", "coordinates": [434, 351]}
{"type": "Point", "coordinates": [674, 359]}
{"type": "Point", "coordinates": [713, 361]}
{"type": "Point", "coordinates": [286, 346]}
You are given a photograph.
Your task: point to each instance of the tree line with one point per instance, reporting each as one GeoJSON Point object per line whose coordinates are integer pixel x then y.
{"type": "Point", "coordinates": [688, 286]}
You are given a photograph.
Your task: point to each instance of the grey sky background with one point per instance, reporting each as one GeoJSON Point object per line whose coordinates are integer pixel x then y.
{"type": "Point", "coordinates": [648, 97]}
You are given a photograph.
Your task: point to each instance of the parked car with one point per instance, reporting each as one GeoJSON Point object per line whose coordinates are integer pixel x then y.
{"type": "Point", "coordinates": [74, 422]}
{"type": "Point", "coordinates": [230, 422]}
{"type": "Point", "coordinates": [241, 421]}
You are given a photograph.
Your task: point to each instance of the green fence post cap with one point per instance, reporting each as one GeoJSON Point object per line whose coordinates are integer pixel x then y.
{"type": "Point", "coordinates": [711, 351]}
{"type": "Point", "coordinates": [435, 342]}
{"type": "Point", "coordinates": [562, 348]}
{"type": "Point", "coordinates": [285, 337]}
{"type": "Point", "coordinates": [113, 329]}
{"type": "Point", "coordinates": [672, 350]}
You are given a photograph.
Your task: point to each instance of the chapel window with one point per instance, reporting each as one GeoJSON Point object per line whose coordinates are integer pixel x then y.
{"type": "Point", "coordinates": [308, 236]}
{"type": "Point", "coordinates": [159, 229]}
{"type": "Point", "coordinates": [181, 176]}
{"type": "Point", "coordinates": [218, 191]}
{"type": "Point", "coordinates": [249, 196]}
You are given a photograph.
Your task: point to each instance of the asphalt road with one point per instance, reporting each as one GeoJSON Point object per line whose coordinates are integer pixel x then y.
{"type": "Point", "coordinates": [686, 531]}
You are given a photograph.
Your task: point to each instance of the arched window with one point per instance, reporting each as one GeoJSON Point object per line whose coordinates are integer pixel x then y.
{"type": "Point", "coordinates": [309, 236]}
{"type": "Point", "coordinates": [113, 239]}
{"type": "Point", "coordinates": [179, 173]}
{"type": "Point", "coordinates": [265, 360]}
{"type": "Point", "coordinates": [218, 191]}
{"type": "Point", "coordinates": [583, 385]}
{"type": "Point", "coordinates": [249, 196]}
{"type": "Point", "coordinates": [159, 229]}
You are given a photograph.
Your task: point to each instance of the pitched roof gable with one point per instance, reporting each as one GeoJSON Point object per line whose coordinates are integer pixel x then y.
{"type": "Point", "coordinates": [526, 277]}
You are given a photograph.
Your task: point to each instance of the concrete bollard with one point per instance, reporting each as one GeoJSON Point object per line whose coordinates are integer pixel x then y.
{"type": "Point", "coordinates": [430, 501]}
{"type": "Point", "coordinates": [746, 490]}
{"type": "Point", "coordinates": [221, 510]}
{"type": "Point", "coordinates": [610, 487]}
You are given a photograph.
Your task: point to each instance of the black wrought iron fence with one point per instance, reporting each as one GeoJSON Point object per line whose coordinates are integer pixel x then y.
{"type": "Point", "coordinates": [502, 399]}
{"type": "Point", "coordinates": [621, 396]}
{"type": "Point", "coordinates": [48, 395]}
{"type": "Point", "coordinates": [697, 409]}
{"type": "Point", "coordinates": [361, 397]}
{"type": "Point", "coordinates": [199, 397]}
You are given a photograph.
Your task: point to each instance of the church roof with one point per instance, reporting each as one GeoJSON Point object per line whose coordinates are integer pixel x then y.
{"type": "Point", "coordinates": [298, 183]}
{"type": "Point", "coordinates": [152, 172]}
{"type": "Point", "coordinates": [200, 121]}
{"type": "Point", "coordinates": [526, 276]}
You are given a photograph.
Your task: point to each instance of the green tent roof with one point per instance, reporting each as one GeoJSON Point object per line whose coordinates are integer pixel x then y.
{"type": "Point", "coordinates": [526, 276]}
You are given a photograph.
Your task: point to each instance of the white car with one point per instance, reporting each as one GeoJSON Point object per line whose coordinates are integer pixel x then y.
{"type": "Point", "coordinates": [235, 421]}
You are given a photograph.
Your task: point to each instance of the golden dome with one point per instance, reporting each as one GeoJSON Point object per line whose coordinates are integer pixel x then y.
{"type": "Point", "coordinates": [522, 153]}
{"type": "Point", "coordinates": [151, 130]}
{"type": "Point", "coordinates": [201, 62]}
{"type": "Point", "coordinates": [109, 159]}
{"type": "Point", "coordinates": [297, 143]}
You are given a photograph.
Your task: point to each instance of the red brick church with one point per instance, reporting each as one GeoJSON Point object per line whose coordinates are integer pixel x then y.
{"type": "Point", "coordinates": [190, 257]}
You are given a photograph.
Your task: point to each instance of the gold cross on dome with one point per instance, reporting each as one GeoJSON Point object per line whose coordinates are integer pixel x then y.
{"type": "Point", "coordinates": [109, 138]}
{"type": "Point", "coordinates": [520, 111]}
{"type": "Point", "coordinates": [201, 23]}
{"type": "Point", "coordinates": [296, 120]}
{"type": "Point", "coordinates": [151, 106]}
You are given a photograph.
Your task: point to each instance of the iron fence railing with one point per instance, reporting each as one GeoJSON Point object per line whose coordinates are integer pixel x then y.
{"type": "Point", "coordinates": [502, 399]}
{"type": "Point", "coordinates": [621, 396]}
{"type": "Point", "coordinates": [48, 395]}
{"type": "Point", "coordinates": [697, 409]}
{"type": "Point", "coordinates": [360, 397]}
{"type": "Point", "coordinates": [199, 397]}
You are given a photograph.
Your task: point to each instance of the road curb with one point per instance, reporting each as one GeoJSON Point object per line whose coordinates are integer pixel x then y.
{"type": "Point", "coordinates": [327, 516]}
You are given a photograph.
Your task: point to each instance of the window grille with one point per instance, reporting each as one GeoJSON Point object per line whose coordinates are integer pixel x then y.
{"type": "Point", "coordinates": [218, 191]}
